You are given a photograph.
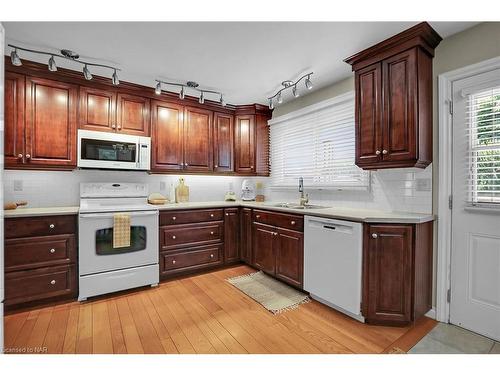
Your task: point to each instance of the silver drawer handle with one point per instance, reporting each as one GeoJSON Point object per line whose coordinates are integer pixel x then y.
{"type": "Point", "coordinates": [292, 222]}
{"type": "Point", "coordinates": [173, 262]}
{"type": "Point", "coordinates": [173, 237]}
{"type": "Point", "coordinates": [374, 235]}
{"type": "Point", "coordinates": [211, 255]}
{"type": "Point", "coordinates": [52, 226]}
{"type": "Point", "coordinates": [174, 218]}
{"type": "Point", "coordinates": [52, 251]}
{"type": "Point", "coordinates": [52, 282]}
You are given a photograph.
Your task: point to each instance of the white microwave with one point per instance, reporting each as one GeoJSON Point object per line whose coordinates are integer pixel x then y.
{"type": "Point", "coordinates": [101, 150]}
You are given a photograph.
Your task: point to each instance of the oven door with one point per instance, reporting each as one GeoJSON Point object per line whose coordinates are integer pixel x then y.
{"type": "Point", "coordinates": [108, 150]}
{"type": "Point", "coordinates": [96, 252]}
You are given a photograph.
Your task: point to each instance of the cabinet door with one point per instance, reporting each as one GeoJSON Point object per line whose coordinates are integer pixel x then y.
{"type": "Point", "coordinates": [290, 257]}
{"type": "Point", "coordinates": [132, 115]}
{"type": "Point", "coordinates": [97, 109]}
{"type": "Point", "coordinates": [387, 288]}
{"type": "Point", "coordinates": [223, 142]}
{"type": "Point", "coordinates": [231, 235]}
{"type": "Point", "coordinates": [14, 119]}
{"type": "Point", "coordinates": [368, 83]}
{"type": "Point", "coordinates": [245, 144]}
{"type": "Point", "coordinates": [166, 131]}
{"type": "Point", "coordinates": [400, 107]}
{"type": "Point", "coordinates": [51, 108]}
{"type": "Point", "coordinates": [246, 235]}
{"type": "Point", "coordinates": [198, 138]}
{"type": "Point", "coordinates": [263, 238]}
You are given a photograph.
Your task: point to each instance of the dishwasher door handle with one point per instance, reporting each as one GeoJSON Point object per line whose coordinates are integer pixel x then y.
{"type": "Point", "coordinates": [329, 227]}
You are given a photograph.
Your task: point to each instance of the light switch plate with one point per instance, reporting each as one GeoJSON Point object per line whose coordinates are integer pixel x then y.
{"type": "Point", "coordinates": [18, 185]}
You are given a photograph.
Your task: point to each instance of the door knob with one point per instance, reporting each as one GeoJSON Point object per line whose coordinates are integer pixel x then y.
{"type": "Point", "coordinates": [377, 152]}
{"type": "Point", "coordinates": [384, 152]}
{"type": "Point", "coordinates": [374, 235]}
{"type": "Point", "coordinates": [52, 251]}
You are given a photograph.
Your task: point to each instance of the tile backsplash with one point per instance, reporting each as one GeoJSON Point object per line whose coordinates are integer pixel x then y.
{"type": "Point", "coordinates": [406, 189]}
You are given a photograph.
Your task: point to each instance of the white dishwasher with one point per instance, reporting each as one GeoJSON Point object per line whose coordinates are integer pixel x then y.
{"type": "Point", "coordinates": [332, 263]}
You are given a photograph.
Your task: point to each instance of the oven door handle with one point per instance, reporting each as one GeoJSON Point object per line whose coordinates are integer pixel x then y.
{"type": "Point", "coordinates": [111, 214]}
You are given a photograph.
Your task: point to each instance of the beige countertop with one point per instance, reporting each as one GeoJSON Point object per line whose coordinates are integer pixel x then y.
{"type": "Point", "coordinates": [342, 213]}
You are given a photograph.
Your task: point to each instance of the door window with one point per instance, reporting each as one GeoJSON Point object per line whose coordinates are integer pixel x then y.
{"type": "Point", "coordinates": [104, 241]}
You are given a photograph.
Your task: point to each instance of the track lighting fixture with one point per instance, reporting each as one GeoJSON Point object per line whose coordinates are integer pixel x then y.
{"type": "Point", "coordinates": [190, 85]}
{"type": "Point", "coordinates": [114, 79]}
{"type": "Point", "coordinates": [64, 54]}
{"type": "Point", "coordinates": [86, 73]}
{"type": "Point", "coordinates": [52, 64]}
{"type": "Point", "coordinates": [290, 84]}
{"type": "Point", "coordinates": [14, 58]}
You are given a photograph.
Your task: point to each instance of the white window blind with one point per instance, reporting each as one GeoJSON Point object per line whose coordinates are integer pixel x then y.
{"type": "Point", "coordinates": [318, 145]}
{"type": "Point", "coordinates": [483, 132]}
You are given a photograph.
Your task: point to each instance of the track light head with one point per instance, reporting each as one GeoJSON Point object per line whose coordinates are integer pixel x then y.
{"type": "Point", "coordinates": [14, 58]}
{"type": "Point", "coordinates": [279, 99]}
{"type": "Point", "coordinates": [158, 88]}
{"type": "Point", "coordinates": [271, 104]}
{"type": "Point", "coordinates": [52, 64]}
{"type": "Point", "coordinates": [86, 73]}
{"type": "Point", "coordinates": [181, 94]}
{"type": "Point", "coordinates": [309, 84]}
{"type": "Point", "coordinates": [201, 100]}
{"type": "Point", "coordinates": [114, 79]}
{"type": "Point", "coordinates": [295, 92]}
{"type": "Point", "coordinates": [222, 101]}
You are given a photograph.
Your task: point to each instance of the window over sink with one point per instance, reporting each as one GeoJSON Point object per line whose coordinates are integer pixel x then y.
{"type": "Point", "coordinates": [318, 144]}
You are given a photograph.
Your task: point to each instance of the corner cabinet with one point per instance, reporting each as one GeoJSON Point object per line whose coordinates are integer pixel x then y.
{"type": "Point", "coordinates": [397, 272]}
{"type": "Point", "coordinates": [393, 85]}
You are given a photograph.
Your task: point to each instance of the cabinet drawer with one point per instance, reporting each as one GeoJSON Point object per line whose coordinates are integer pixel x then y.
{"type": "Point", "coordinates": [25, 286]}
{"type": "Point", "coordinates": [174, 236]}
{"type": "Point", "coordinates": [190, 216]}
{"type": "Point", "coordinates": [33, 252]}
{"type": "Point", "coordinates": [293, 222]}
{"type": "Point", "coordinates": [191, 259]}
{"type": "Point", "coordinates": [40, 226]}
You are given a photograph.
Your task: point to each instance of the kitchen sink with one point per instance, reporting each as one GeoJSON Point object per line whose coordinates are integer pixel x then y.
{"type": "Point", "coordinates": [298, 206]}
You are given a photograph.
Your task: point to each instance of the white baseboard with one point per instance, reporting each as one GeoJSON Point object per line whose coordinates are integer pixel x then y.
{"type": "Point", "coordinates": [431, 313]}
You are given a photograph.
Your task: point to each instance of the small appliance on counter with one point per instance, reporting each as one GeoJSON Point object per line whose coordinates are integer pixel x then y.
{"type": "Point", "coordinates": [230, 195]}
{"type": "Point", "coordinates": [247, 190]}
{"type": "Point", "coordinates": [181, 192]}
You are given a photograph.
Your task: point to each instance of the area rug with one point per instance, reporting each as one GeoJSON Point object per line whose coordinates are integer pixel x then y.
{"type": "Point", "coordinates": [274, 295]}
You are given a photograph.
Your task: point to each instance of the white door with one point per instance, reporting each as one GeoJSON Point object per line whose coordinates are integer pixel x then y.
{"type": "Point", "coordinates": [475, 252]}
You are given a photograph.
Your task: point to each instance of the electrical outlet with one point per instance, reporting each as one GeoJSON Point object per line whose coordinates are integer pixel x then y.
{"type": "Point", "coordinates": [18, 185]}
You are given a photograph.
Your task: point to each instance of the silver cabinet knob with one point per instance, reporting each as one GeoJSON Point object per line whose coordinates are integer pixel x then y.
{"type": "Point", "coordinates": [377, 152]}
{"type": "Point", "coordinates": [211, 233]}
{"type": "Point", "coordinates": [19, 156]}
{"type": "Point", "coordinates": [119, 127]}
{"type": "Point", "coordinates": [52, 226]}
{"type": "Point", "coordinates": [186, 164]}
{"type": "Point", "coordinates": [173, 237]}
{"type": "Point", "coordinates": [275, 233]}
{"type": "Point", "coordinates": [52, 282]}
{"type": "Point", "coordinates": [173, 262]}
{"type": "Point", "coordinates": [113, 126]}
{"type": "Point", "coordinates": [174, 218]}
{"type": "Point", "coordinates": [257, 216]}
{"type": "Point", "coordinates": [28, 156]}
{"type": "Point", "coordinates": [251, 167]}
{"type": "Point", "coordinates": [216, 166]}
{"type": "Point", "coordinates": [211, 255]}
{"type": "Point", "coordinates": [374, 235]}
{"type": "Point", "coordinates": [384, 152]}
{"type": "Point", "coordinates": [292, 222]}
{"type": "Point", "coordinates": [227, 214]}
{"type": "Point", "coordinates": [52, 251]}
{"type": "Point", "coordinates": [211, 215]}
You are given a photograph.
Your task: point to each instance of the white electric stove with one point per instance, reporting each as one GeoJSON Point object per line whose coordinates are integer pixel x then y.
{"type": "Point", "coordinates": [102, 268]}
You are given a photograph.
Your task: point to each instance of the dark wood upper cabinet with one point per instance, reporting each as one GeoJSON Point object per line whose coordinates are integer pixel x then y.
{"type": "Point", "coordinates": [51, 110]}
{"type": "Point", "coordinates": [97, 109]}
{"type": "Point", "coordinates": [132, 114]}
{"type": "Point", "coordinates": [223, 142]}
{"type": "Point", "coordinates": [290, 256]}
{"type": "Point", "coordinates": [393, 84]}
{"type": "Point", "coordinates": [198, 138]}
{"type": "Point", "coordinates": [397, 272]}
{"type": "Point", "coordinates": [231, 235]}
{"type": "Point", "coordinates": [14, 152]}
{"type": "Point", "coordinates": [245, 144]}
{"type": "Point", "coordinates": [167, 136]}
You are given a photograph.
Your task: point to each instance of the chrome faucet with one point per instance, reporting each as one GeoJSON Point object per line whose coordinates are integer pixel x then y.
{"type": "Point", "coordinates": [304, 198]}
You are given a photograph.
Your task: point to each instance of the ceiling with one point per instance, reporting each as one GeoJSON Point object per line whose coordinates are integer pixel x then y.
{"type": "Point", "coordinates": [245, 60]}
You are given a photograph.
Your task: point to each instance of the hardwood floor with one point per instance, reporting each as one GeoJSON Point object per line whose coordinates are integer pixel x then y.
{"type": "Point", "coordinates": [198, 314]}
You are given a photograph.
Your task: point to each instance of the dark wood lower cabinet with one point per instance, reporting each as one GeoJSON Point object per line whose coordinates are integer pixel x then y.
{"type": "Point", "coordinates": [290, 256]}
{"type": "Point", "coordinates": [397, 275]}
{"type": "Point", "coordinates": [231, 235]}
{"type": "Point", "coordinates": [263, 247]}
{"type": "Point", "coordinates": [246, 235]}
